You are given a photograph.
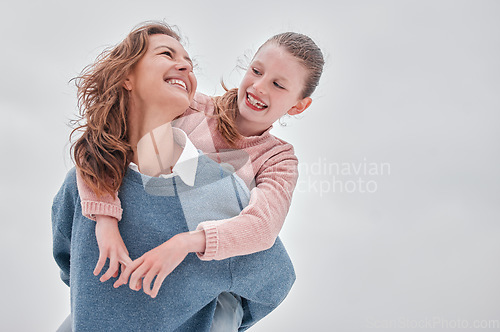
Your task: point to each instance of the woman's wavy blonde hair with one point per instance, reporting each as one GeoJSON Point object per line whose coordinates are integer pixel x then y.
{"type": "Point", "coordinates": [102, 153]}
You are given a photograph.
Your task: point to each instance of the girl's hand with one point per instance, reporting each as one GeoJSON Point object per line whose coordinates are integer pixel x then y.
{"type": "Point", "coordinates": [160, 262]}
{"type": "Point", "coordinates": [110, 246]}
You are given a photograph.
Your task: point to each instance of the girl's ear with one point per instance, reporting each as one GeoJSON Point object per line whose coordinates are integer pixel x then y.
{"type": "Point", "coordinates": [300, 107]}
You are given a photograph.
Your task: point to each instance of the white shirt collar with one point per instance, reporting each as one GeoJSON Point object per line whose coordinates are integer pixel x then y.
{"type": "Point", "coordinates": [187, 164]}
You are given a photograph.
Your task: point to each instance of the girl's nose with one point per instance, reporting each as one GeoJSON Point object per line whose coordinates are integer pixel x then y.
{"type": "Point", "coordinates": [259, 86]}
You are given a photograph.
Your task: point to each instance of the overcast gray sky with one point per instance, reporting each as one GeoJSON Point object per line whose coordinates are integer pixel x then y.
{"type": "Point", "coordinates": [396, 217]}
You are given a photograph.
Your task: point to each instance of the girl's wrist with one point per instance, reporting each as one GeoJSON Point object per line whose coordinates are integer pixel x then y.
{"type": "Point", "coordinates": [194, 241]}
{"type": "Point", "coordinates": [104, 219]}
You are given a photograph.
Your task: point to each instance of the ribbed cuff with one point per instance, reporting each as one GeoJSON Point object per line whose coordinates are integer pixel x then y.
{"type": "Point", "coordinates": [92, 208]}
{"type": "Point", "coordinates": [212, 241]}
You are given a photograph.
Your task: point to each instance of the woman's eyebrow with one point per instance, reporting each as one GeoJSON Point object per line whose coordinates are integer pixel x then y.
{"type": "Point", "coordinates": [174, 53]}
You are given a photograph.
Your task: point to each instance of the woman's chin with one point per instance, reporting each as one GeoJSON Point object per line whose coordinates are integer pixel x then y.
{"type": "Point", "coordinates": [178, 104]}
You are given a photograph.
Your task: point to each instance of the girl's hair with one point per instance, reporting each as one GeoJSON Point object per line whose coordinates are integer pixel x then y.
{"type": "Point", "coordinates": [103, 152]}
{"type": "Point", "coordinates": [226, 110]}
{"type": "Point", "coordinates": [298, 45]}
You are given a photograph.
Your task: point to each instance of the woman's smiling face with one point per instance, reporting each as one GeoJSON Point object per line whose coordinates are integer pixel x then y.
{"type": "Point", "coordinates": [163, 76]}
{"type": "Point", "coordinates": [271, 87]}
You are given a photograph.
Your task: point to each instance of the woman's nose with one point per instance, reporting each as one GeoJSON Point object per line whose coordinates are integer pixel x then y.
{"type": "Point", "coordinates": [183, 64]}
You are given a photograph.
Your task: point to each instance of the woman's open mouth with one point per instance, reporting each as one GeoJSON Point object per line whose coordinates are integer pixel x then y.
{"type": "Point", "coordinates": [177, 82]}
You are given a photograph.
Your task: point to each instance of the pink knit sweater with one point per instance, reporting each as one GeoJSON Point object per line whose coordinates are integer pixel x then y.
{"type": "Point", "coordinates": [271, 163]}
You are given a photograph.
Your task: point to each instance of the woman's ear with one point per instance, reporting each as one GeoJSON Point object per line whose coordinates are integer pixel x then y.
{"type": "Point", "coordinates": [300, 107]}
{"type": "Point", "coordinates": [127, 84]}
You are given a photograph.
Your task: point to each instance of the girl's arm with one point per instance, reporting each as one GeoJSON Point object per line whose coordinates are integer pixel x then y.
{"type": "Point", "coordinates": [93, 206]}
{"type": "Point", "coordinates": [106, 211]}
{"type": "Point", "coordinates": [111, 246]}
{"type": "Point", "coordinates": [159, 262]}
{"type": "Point", "coordinates": [257, 226]}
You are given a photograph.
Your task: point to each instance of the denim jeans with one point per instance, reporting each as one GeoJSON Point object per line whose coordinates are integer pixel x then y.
{"type": "Point", "coordinates": [228, 313]}
{"type": "Point", "coordinates": [227, 316]}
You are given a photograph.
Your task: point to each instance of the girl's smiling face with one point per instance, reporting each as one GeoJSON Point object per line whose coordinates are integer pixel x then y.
{"type": "Point", "coordinates": [271, 87]}
{"type": "Point", "coordinates": [162, 77]}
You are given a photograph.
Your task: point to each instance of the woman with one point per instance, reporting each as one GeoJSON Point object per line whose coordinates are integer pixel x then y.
{"type": "Point", "coordinates": [135, 90]}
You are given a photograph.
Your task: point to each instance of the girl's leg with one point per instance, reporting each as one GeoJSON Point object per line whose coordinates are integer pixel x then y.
{"type": "Point", "coordinates": [66, 325]}
{"type": "Point", "coordinates": [228, 313]}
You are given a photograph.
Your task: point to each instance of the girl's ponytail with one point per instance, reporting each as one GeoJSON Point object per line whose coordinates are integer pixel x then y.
{"type": "Point", "coordinates": [226, 110]}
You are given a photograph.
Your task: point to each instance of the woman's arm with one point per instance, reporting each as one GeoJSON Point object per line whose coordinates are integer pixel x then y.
{"type": "Point", "coordinates": [63, 209]}
{"type": "Point", "coordinates": [257, 226]}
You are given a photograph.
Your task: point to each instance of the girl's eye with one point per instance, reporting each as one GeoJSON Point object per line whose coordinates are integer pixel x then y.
{"type": "Point", "coordinates": [256, 71]}
{"type": "Point", "coordinates": [167, 53]}
{"type": "Point", "coordinates": [276, 84]}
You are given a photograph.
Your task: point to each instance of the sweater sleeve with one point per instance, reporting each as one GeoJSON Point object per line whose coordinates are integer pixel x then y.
{"type": "Point", "coordinates": [63, 209]}
{"type": "Point", "coordinates": [92, 205]}
{"type": "Point", "coordinates": [257, 226]}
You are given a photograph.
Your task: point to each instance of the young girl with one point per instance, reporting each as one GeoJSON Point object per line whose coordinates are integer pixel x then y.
{"type": "Point", "coordinates": [280, 80]}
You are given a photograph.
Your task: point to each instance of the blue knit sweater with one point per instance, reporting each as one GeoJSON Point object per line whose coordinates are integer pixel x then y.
{"type": "Point", "coordinates": [152, 214]}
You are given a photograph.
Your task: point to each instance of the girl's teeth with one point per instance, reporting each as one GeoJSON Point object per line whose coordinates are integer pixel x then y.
{"type": "Point", "coordinates": [256, 103]}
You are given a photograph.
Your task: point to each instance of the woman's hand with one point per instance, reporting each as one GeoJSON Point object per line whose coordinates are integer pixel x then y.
{"type": "Point", "coordinates": [110, 246]}
{"type": "Point", "coordinates": [160, 262]}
